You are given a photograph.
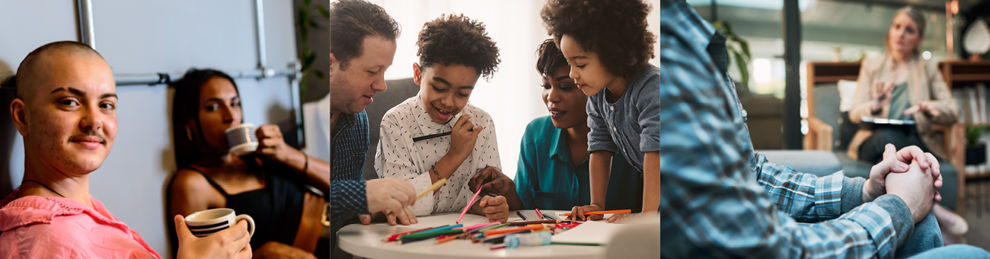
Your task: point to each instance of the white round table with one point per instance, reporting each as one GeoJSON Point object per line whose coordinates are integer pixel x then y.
{"type": "Point", "coordinates": [366, 241]}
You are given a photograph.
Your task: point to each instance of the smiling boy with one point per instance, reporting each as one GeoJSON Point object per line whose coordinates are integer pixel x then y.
{"type": "Point", "coordinates": [454, 51]}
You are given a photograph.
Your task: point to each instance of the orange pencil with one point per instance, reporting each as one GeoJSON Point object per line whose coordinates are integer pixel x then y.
{"type": "Point", "coordinates": [601, 212]}
{"type": "Point", "coordinates": [395, 237]}
{"type": "Point", "coordinates": [513, 230]}
{"type": "Point", "coordinates": [441, 240]}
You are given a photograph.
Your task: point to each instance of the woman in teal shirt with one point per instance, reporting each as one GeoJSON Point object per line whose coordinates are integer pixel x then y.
{"type": "Point", "coordinates": [553, 157]}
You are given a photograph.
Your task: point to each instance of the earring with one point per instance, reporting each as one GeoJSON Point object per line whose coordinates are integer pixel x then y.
{"type": "Point", "coordinates": [189, 135]}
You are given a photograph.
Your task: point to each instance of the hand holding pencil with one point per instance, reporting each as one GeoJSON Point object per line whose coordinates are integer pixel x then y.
{"type": "Point", "coordinates": [492, 180]}
{"type": "Point", "coordinates": [578, 213]}
{"type": "Point", "coordinates": [495, 208]}
{"type": "Point", "coordinates": [392, 198]}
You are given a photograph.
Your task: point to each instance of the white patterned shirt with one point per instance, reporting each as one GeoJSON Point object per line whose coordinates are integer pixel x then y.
{"type": "Point", "coordinates": [399, 157]}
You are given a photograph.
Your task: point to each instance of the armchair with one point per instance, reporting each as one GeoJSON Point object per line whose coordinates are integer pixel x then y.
{"type": "Point", "coordinates": [829, 129]}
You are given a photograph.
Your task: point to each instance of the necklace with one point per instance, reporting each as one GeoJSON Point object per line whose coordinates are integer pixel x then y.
{"type": "Point", "coordinates": [46, 187]}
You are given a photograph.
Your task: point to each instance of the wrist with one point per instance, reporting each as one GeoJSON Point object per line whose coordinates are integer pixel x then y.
{"type": "Point", "coordinates": [453, 161]}
{"type": "Point", "coordinates": [872, 190]}
{"type": "Point", "coordinates": [434, 176]}
{"type": "Point", "coordinates": [446, 166]}
{"type": "Point", "coordinates": [866, 191]}
{"type": "Point", "coordinates": [455, 157]}
{"type": "Point", "coordinates": [295, 159]}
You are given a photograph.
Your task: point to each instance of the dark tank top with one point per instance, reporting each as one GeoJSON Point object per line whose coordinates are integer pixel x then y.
{"type": "Point", "coordinates": [276, 208]}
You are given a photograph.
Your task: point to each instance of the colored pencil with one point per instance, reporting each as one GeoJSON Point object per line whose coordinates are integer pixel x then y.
{"type": "Point", "coordinates": [497, 247]}
{"type": "Point", "coordinates": [422, 236]}
{"type": "Point", "coordinates": [489, 228]}
{"type": "Point", "coordinates": [498, 239]}
{"type": "Point", "coordinates": [416, 139]}
{"type": "Point", "coordinates": [477, 226]}
{"type": "Point", "coordinates": [435, 186]}
{"type": "Point", "coordinates": [468, 205]}
{"type": "Point", "coordinates": [523, 223]}
{"type": "Point", "coordinates": [512, 230]}
{"type": "Point", "coordinates": [573, 244]}
{"type": "Point", "coordinates": [520, 215]}
{"type": "Point", "coordinates": [538, 213]}
{"type": "Point", "coordinates": [395, 236]}
{"type": "Point", "coordinates": [441, 240]}
{"type": "Point", "coordinates": [495, 240]}
{"type": "Point", "coordinates": [438, 229]}
{"type": "Point", "coordinates": [600, 212]}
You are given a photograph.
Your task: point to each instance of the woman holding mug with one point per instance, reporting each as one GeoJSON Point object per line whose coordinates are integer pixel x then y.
{"type": "Point", "coordinates": [274, 184]}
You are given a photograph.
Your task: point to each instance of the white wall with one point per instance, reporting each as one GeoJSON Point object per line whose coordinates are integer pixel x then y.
{"type": "Point", "coordinates": [149, 37]}
{"type": "Point", "coordinates": [512, 96]}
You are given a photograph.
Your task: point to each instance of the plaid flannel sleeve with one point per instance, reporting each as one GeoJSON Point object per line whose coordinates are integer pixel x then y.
{"type": "Point", "coordinates": [719, 199]}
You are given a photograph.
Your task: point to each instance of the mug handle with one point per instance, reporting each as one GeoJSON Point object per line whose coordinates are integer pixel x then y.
{"type": "Point", "coordinates": [249, 220]}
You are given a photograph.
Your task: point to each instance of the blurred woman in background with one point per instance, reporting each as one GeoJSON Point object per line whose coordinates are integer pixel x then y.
{"type": "Point", "coordinates": [900, 85]}
{"type": "Point", "coordinates": [274, 184]}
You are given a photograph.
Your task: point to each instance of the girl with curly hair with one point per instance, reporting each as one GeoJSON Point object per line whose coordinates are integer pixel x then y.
{"type": "Point", "coordinates": [607, 45]}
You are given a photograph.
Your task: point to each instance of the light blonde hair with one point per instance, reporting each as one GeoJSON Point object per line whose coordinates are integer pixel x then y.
{"type": "Point", "coordinates": [918, 19]}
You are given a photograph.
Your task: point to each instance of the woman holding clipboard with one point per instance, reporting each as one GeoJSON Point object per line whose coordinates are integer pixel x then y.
{"type": "Point", "coordinates": [899, 98]}
{"type": "Point", "coordinates": [897, 90]}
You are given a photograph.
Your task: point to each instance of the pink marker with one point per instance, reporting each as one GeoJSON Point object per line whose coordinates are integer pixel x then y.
{"type": "Point", "coordinates": [468, 206]}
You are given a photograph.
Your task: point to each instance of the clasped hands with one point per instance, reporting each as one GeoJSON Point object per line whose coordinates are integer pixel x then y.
{"type": "Point", "coordinates": [910, 174]}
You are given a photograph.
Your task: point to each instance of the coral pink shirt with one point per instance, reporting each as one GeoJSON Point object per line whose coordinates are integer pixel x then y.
{"type": "Point", "coordinates": [51, 227]}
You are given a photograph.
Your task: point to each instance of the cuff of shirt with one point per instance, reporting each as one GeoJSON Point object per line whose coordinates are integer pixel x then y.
{"type": "Point", "coordinates": [852, 193]}
{"type": "Point", "coordinates": [600, 146]}
{"type": "Point", "coordinates": [828, 194]}
{"type": "Point", "coordinates": [649, 143]}
{"type": "Point", "coordinates": [424, 205]}
{"type": "Point", "coordinates": [348, 197]}
{"type": "Point", "coordinates": [900, 217]}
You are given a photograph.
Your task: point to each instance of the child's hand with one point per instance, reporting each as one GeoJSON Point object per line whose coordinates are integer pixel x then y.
{"type": "Point", "coordinates": [577, 213]}
{"type": "Point", "coordinates": [495, 208]}
{"type": "Point", "coordinates": [462, 137]}
{"type": "Point", "coordinates": [621, 217]}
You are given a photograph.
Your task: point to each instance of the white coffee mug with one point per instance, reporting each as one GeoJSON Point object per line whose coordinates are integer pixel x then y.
{"type": "Point", "coordinates": [206, 222]}
{"type": "Point", "coordinates": [241, 139]}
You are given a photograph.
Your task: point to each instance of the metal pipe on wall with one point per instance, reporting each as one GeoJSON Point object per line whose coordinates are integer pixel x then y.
{"type": "Point", "coordinates": [294, 98]}
{"type": "Point", "coordinates": [152, 79]}
{"type": "Point", "coordinates": [84, 23]}
{"type": "Point", "coordinates": [259, 29]}
{"type": "Point", "coordinates": [86, 35]}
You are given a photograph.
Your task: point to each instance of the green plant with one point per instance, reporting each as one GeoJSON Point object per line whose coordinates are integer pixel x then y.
{"type": "Point", "coordinates": [308, 18]}
{"type": "Point", "coordinates": [737, 50]}
{"type": "Point", "coordinates": [973, 133]}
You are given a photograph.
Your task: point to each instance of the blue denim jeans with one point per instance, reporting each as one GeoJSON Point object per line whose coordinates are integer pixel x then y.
{"type": "Point", "coordinates": [926, 236]}
{"type": "Point", "coordinates": [954, 252]}
{"type": "Point", "coordinates": [926, 242]}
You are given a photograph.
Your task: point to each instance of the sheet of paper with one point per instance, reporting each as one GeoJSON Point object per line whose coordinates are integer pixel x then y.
{"type": "Point", "coordinates": [590, 232]}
